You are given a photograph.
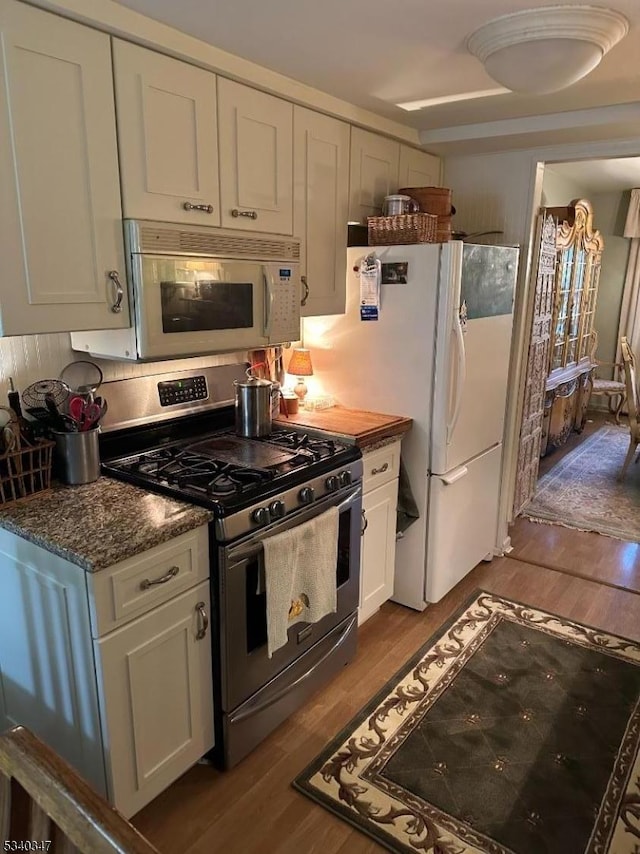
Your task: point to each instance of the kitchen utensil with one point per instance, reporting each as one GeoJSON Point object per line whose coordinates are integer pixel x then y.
{"type": "Point", "coordinates": [59, 420]}
{"type": "Point", "coordinates": [84, 413]}
{"type": "Point", "coordinates": [77, 456]}
{"type": "Point", "coordinates": [35, 395]}
{"type": "Point", "coordinates": [398, 204]}
{"type": "Point", "coordinates": [83, 378]}
{"type": "Point", "coordinates": [253, 407]}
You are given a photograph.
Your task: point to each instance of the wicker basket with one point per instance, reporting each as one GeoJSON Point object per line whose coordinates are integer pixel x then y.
{"type": "Point", "coordinates": [25, 471]}
{"type": "Point", "coordinates": [434, 200]}
{"type": "Point", "coordinates": [402, 228]}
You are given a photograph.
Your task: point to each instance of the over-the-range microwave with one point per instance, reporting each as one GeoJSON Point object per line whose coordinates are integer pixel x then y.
{"type": "Point", "coordinates": [198, 289]}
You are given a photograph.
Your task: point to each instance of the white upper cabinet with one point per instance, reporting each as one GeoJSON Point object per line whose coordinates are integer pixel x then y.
{"type": "Point", "coordinates": [167, 137]}
{"type": "Point", "coordinates": [418, 169]}
{"type": "Point", "coordinates": [60, 212]}
{"type": "Point", "coordinates": [256, 159]}
{"type": "Point", "coordinates": [321, 207]}
{"type": "Point", "coordinates": [374, 173]}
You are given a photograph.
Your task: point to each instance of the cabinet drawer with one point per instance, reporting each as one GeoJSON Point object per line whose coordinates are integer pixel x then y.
{"type": "Point", "coordinates": [381, 466]}
{"type": "Point", "coordinates": [135, 586]}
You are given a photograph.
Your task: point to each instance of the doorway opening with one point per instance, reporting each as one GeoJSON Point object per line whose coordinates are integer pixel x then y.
{"type": "Point", "coordinates": [575, 430]}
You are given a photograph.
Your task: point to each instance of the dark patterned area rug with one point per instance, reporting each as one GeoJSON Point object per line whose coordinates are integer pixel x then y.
{"type": "Point", "coordinates": [513, 731]}
{"type": "Point", "coordinates": [583, 491]}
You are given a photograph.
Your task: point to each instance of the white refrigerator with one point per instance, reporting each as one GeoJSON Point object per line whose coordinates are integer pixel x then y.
{"type": "Point", "coordinates": [438, 353]}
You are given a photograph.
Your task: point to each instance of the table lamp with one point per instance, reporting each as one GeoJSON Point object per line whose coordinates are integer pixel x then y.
{"type": "Point", "coordinates": [300, 366]}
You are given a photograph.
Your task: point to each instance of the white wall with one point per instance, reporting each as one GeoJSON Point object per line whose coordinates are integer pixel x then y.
{"type": "Point", "coordinates": [609, 213]}
{"type": "Point", "coordinates": [558, 190]}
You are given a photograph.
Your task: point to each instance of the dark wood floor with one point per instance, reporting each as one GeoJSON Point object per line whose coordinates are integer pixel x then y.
{"type": "Point", "coordinates": [252, 809]}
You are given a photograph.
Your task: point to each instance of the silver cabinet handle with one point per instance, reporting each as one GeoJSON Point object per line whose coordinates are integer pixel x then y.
{"type": "Point", "coordinates": [304, 299]}
{"type": "Point", "coordinates": [204, 625]}
{"type": "Point", "coordinates": [365, 524]}
{"type": "Point", "coordinates": [251, 214]}
{"type": "Point", "coordinates": [188, 206]}
{"type": "Point", "coordinates": [381, 469]}
{"type": "Point", "coordinates": [147, 582]}
{"type": "Point", "coordinates": [116, 308]}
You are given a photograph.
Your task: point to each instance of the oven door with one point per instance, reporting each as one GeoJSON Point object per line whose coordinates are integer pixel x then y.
{"type": "Point", "coordinates": [188, 305]}
{"type": "Point", "coordinates": [244, 664]}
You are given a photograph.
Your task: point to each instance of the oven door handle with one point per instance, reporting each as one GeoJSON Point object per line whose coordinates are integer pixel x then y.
{"type": "Point", "coordinates": [278, 695]}
{"type": "Point", "coordinates": [247, 550]}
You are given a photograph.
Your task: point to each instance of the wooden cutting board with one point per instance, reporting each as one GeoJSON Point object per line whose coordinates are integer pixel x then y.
{"type": "Point", "coordinates": [362, 427]}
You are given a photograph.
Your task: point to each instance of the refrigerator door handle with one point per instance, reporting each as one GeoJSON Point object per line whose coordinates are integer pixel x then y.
{"type": "Point", "coordinates": [461, 376]}
{"type": "Point", "coordinates": [453, 476]}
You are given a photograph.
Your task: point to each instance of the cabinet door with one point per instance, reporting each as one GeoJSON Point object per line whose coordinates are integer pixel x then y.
{"type": "Point", "coordinates": [60, 213]}
{"type": "Point", "coordinates": [47, 676]}
{"type": "Point", "coordinates": [256, 159]}
{"type": "Point", "coordinates": [418, 169]}
{"type": "Point", "coordinates": [156, 698]}
{"type": "Point", "coordinates": [167, 136]}
{"type": "Point", "coordinates": [321, 206]}
{"type": "Point", "coordinates": [374, 173]}
{"type": "Point", "coordinates": [378, 548]}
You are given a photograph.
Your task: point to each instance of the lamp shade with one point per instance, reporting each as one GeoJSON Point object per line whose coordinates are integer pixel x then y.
{"type": "Point", "coordinates": [543, 50]}
{"type": "Point", "coordinates": [300, 363]}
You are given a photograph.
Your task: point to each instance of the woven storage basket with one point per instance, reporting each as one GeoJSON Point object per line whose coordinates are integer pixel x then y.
{"type": "Point", "coordinates": [434, 200]}
{"type": "Point", "coordinates": [402, 228]}
{"type": "Point", "coordinates": [25, 472]}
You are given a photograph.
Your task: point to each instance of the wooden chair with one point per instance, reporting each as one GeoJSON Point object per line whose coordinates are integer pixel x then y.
{"type": "Point", "coordinates": [43, 799]}
{"type": "Point", "coordinates": [629, 363]}
{"type": "Point", "coordinates": [611, 389]}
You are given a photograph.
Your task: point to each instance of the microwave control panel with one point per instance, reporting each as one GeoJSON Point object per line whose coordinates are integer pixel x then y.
{"type": "Point", "coordinates": [186, 390]}
{"type": "Point", "coordinates": [284, 323]}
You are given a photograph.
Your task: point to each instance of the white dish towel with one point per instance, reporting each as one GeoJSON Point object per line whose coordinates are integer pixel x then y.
{"type": "Point", "coordinates": [300, 575]}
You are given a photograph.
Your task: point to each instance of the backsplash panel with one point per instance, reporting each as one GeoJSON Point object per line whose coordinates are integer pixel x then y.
{"type": "Point", "coordinates": [33, 357]}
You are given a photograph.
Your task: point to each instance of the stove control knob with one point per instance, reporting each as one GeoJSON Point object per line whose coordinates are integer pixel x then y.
{"type": "Point", "coordinates": [261, 516]}
{"type": "Point", "coordinates": [277, 509]}
{"type": "Point", "coordinates": [345, 478]}
{"type": "Point", "coordinates": [306, 495]}
{"type": "Point", "coordinates": [332, 483]}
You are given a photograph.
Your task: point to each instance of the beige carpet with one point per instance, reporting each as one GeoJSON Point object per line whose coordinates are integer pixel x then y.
{"type": "Point", "coordinates": [583, 491]}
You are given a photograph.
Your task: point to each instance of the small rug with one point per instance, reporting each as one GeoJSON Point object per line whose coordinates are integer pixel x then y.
{"type": "Point", "coordinates": [583, 491]}
{"type": "Point", "coordinates": [512, 731]}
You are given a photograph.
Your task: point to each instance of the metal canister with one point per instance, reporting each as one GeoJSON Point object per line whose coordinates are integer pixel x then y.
{"type": "Point", "coordinates": [253, 407]}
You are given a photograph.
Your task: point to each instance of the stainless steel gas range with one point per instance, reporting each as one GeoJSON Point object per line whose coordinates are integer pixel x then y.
{"type": "Point", "coordinates": [172, 433]}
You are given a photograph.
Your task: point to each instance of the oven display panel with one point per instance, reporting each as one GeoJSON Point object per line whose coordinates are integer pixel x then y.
{"type": "Point", "coordinates": [172, 392]}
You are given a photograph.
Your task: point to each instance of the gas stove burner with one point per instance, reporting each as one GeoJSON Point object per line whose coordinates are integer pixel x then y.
{"type": "Point", "coordinates": [317, 448]}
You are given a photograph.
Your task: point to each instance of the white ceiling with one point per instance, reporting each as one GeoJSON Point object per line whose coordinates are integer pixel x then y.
{"type": "Point", "coordinates": [601, 176]}
{"type": "Point", "coordinates": [374, 53]}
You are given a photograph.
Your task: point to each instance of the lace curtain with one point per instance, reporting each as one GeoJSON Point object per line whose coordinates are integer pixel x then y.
{"type": "Point", "coordinates": [630, 310]}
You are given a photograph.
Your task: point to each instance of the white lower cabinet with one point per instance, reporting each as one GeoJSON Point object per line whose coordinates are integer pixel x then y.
{"type": "Point", "coordinates": [112, 669]}
{"type": "Point", "coordinates": [379, 504]}
{"type": "Point", "coordinates": [155, 697]}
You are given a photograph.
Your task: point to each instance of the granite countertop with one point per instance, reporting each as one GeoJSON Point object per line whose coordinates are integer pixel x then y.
{"type": "Point", "coordinates": [101, 523]}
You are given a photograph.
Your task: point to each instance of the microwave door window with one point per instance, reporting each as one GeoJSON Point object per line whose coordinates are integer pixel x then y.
{"type": "Point", "coordinates": [206, 304]}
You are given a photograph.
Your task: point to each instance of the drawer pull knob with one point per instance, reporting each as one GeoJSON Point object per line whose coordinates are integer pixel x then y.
{"type": "Point", "coordinates": [188, 206]}
{"type": "Point", "coordinates": [147, 582]}
{"type": "Point", "coordinates": [202, 631]}
{"type": "Point", "coordinates": [365, 524]}
{"type": "Point", "coordinates": [381, 470]}
{"type": "Point", "coordinates": [251, 214]}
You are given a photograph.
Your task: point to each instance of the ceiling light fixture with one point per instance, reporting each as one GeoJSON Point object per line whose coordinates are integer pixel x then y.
{"type": "Point", "coordinates": [410, 106]}
{"type": "Point", "coordinates": [543, 50]}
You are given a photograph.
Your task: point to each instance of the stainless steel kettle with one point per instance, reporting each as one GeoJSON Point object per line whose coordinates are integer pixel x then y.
{"type": "Point", "coordinates": [254, 398]}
